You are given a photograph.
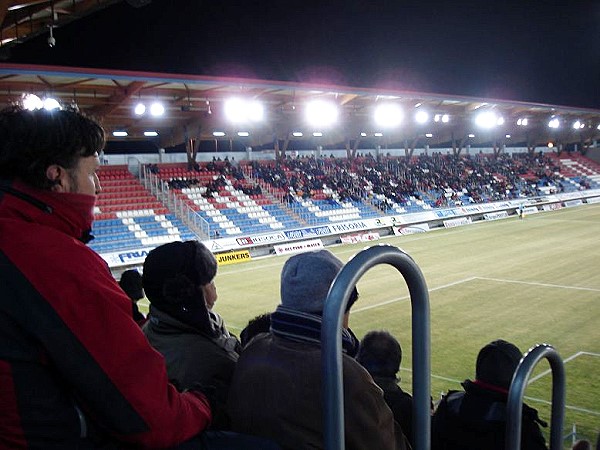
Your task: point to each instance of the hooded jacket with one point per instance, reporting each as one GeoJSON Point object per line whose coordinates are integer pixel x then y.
{"type": "Point", "coordinates": [75, 369]}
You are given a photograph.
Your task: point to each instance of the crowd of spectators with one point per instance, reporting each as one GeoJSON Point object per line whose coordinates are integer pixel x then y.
{"type": "Point", "coordinates": [445, 180]}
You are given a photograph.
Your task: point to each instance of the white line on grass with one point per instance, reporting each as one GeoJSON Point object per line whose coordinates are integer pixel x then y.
{"type": "Point", "coordinates": [570, 358]}
{"type": "Point", "coordinates": [533, 283]}
{"type": "Point", "coordinates": [406, 297]}
{"type": "Point", "coordinates": [533, 399]}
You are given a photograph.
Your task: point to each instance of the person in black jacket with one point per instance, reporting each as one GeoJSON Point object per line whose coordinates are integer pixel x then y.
{"type": "Point", "coordinates": [380, 353]}
{"type": "Point", "coordinates": [475, 418]}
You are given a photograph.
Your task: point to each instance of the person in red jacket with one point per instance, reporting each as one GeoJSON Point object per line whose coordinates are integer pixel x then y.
{"type": "Point", "coordinates": [76, 371]}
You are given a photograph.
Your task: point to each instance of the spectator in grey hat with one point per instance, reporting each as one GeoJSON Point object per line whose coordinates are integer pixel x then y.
{"type": "Point", "coordinates": [475, 418]}
{"type": "Point", "coordinates": [276, 388]}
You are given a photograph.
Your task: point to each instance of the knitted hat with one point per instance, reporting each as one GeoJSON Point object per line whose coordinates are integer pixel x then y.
{"type": "Point", "coordinates": [173, 274]}
{"type": "Point", "coordinates": [306, 278]}
{"type": "Point", "coordinates": [497, 362]}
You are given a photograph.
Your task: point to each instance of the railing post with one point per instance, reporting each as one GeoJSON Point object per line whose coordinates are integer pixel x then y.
{"type": "Point", "coordinates": [331, 358]}
{"type": "Point", "coordinates": [517, 390]}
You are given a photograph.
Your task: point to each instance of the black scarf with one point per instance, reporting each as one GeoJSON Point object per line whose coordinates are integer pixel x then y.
{"type": "Point", "coordinates": [304, 327]}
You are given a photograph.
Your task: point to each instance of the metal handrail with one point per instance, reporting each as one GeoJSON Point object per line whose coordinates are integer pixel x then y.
{"type": "Point", "coordinates": [517, 390]}
{"type": "Point", "coordinates": [331, 358]}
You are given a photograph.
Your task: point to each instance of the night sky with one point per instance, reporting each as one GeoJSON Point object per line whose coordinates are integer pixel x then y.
{"type": "Point", "coordinates": [527, 50]}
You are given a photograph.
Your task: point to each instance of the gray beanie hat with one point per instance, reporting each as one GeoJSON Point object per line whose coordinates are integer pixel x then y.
{"type": "Point", "coordinates": [306, 278]}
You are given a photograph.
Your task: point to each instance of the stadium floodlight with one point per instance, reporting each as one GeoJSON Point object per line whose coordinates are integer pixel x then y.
{"type": "Point", "coordinates": [471, 135]}
{"type": "Point", "coordinates": [363, 134]}
{"type": "Point", "coordinates": [429, 135]}
{"type": "Point", "coordinates": [157, 109]}
{"type": "Point", "coordinates": [500, 121]}
{"type": "Point", "coordinates": [120, 133]}
{"type": "Point", "coordinates": [321, 113]}
{"type": "Point", "coordinates": [578, 125]}
{"type": "Point", "coordinates": [378, 134]}
{"type": "Point", "coordinates": [32, 102]}
{"type": "Point", "coordinates": [598, 127]}
{"type": "Point", "coordinates": [317, 134]}
{"type": "Point", "coordinates": [522, 122]}
{"type": "Point", "coordinates": [388, 115]}
{"type": "Point", "coordinates": [218, 133]}
{"type": "Point", "coordinates": [421, 117]}
{"type": "Point", "coordinates": [507, 136]}
{"type": "Point", "coordinates": [550, 145]}
{"type": "Point", "coordinates": [437, 117]}
{"type": "Point", "coordinates": [445, 118]}
{"type": "Point", "coordinates": [51, 103]}
{"type": "Point", "coordinates": [140, 109]}
{"type": "Point", "coordinates": [297, 134]}
{"type": "Point", "coordinates": [243, 133]}
{"type": "Point", "coordinates": [554, 123]}
{"type": "Point", "coordinates": [487, 119]}
{"type": "Point", "coordinates": [239, 110]}
{"type": "Point", "coordinates": [150, 133]}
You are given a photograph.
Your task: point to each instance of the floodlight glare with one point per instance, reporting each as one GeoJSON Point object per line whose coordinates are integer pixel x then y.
{"type": "Point", "coordinates": [437, 117]}
{"type": "Point", "coordinates": [363, 134]}
{"type": "Point", "coordinates": [388, 115]}
{"type": "Point", "coordinates": [317, 134]}
{"type": "Point", "coordinates": [150, 133]}
{"type": "Point", "coordinates": [500, 121]}
{"type": "Point", "coordinates": [238, 110]}
{"type": "Point", "coordinates": [445, 118]}
{"type": "Point", "coordinates": [522, 122]}
{"type": "Point", "coordinates": [297, 134]}
{"type": "Point", "coordinates": [32, 102]}
{"type": "Point", "coordinates": [140, 109]}
{"type": "Point", "coordinates": [157, 109]}
{"type": "Point", "coordinates": [378, 134]}
{"type": "Point", "coordinates": [120, 133]}
{"type": "Point", "coordinates": [428, 135]}
{"type": "Point", "coordinates": [507, 136]}
{"type": "Point", "coordinates": [486, 119]}
{"type": "Point", "coordinates": [421, 117]}
{"type": "Point", "coordinates": [218, 133]}
{"type": "Point", "coordinates": [554, 123]}
{"type": "Point", "coordinates": [321, 113]}
{"type": "Point", "coordinates": [243, 133]}
{"type": "Point", "coordinates": [550, 145]}
{"type": "Point", "coordinates": [51, 103]}
{"type": "Point", "coordinates": [471, 135]}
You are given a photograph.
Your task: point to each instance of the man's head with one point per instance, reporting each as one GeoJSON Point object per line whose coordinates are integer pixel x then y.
{"type": "Point", "coordinates": [131, 283]}
{"type": "Point", "coordinates": [380, 353]}
{"type": "Point", "coordinates": [176, 279]}
{"type": "Point", "coordinates": [52, 150]}
{"type": "Point", "coordinates": [497, 362]}
{"type": "Point", "coordinates": [306, 279]}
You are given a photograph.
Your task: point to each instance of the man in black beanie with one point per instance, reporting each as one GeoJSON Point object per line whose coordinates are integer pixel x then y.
{"type": "Point", "coordinates": [199, 351]}
{"type": "Point", "coordinates": [475, 418]}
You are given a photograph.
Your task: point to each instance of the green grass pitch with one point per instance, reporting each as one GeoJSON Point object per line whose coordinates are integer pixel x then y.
{"type": "Point", "coordinates": [529, 281]}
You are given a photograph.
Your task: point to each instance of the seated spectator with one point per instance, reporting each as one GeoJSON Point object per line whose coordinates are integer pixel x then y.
{"type": "Point", "coordinates": [476, 418]}
{"type": "Point", "coordinates": [260, 324]}
{"type": "Point", "coordinates": [380, 353]}
{"type": "Point", "coordinates": [276, 389]}
{"type": "Point", "coordinates": [131, 283]}
{"type": "Point", "coordinates": [199, 351]}
{"type": "Point", "coordinates": [582, 444]}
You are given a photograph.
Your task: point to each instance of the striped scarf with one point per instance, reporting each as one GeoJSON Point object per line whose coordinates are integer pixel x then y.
{"type": "Point", "coordinates": [304, 327]}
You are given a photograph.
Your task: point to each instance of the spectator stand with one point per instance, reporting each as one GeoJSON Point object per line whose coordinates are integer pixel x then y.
{"type": "Point", "coordinates": [127, 216]}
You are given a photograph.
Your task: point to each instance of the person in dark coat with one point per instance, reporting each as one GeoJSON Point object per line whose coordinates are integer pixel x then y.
{"type": "Point", "coordinates": [475, 418]}
{"type": "Point", "coordinates": [131, 283]}
{"type": "Point", "coordinates": [380, 353]}
{"type": "Point", "coordinates": [198, 349]}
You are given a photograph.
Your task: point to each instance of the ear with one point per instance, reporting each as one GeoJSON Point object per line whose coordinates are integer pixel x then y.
{"type": "Point", "coordinates": [57, 176]}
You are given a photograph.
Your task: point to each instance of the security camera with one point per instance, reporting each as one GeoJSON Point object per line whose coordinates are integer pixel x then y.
{"type": "Point", "coordinates": [51, 41]}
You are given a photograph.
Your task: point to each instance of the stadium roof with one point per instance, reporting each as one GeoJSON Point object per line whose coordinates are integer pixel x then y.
{"type": "Point", "coordinates": [194, 109]}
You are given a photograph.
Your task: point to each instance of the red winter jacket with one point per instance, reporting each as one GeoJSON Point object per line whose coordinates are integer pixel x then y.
{"type": "Point", "coordinates": [76, 371]}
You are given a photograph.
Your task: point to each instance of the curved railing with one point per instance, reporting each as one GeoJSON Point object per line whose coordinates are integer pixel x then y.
{"type": "Point", "coordinates": [333, 312]}
{"type": "Point", "coordinates": [517, 390]}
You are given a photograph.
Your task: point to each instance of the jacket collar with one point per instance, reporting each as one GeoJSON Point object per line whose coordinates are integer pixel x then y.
{"type": "Point", "coordinates": [72, 214]}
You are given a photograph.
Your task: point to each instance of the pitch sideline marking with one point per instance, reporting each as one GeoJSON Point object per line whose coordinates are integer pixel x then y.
{"type": "Point", "coordinates": [406, 297]}
{"type": "Point", "coordinates": [534, 283]}
{"type": "Point", "coordinates": [570, 358]}
{"type": "Point", "coordinates": [533, 399]}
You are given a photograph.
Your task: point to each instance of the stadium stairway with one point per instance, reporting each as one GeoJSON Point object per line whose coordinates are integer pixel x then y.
{"type": "Point", "coordinates": [127, 216]}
